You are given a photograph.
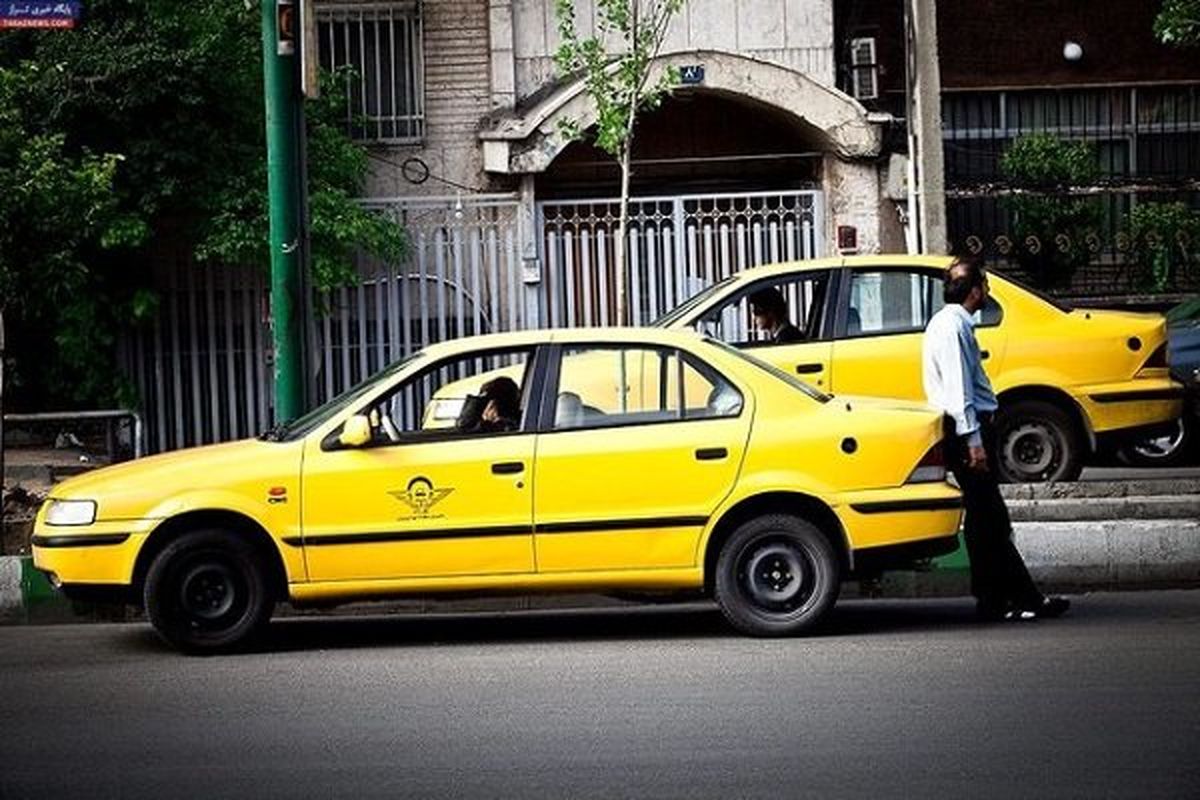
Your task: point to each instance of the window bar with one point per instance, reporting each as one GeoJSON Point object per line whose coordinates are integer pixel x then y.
{"type": "Point", "coordinates": [1133, 131]}
{"type": "Point", "coordinates": [411, 43]}
{"type": "Point", "coordinates": [349, 78]}
{"type": "Point", "coordinates": [1177, 131]}
{"type": "Point", "coordinates": [404, 80]}
{"type": "Point", "coordinates": [362, 71]}
{"type": "Point", "coordinates": [379, 116]}
{"type": "Point", "coordinates": [397, 106]}
{"type": "Point", "coordinates": [419, 69]}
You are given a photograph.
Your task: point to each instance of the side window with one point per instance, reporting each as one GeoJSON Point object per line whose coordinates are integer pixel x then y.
{"type": "Point", "coordinates": [706, 393]}
{"type": "Point", "coordinates": [606, 386]}
{"type": "Point", "coordinates": [892, 301]}
{"type": "Point", "coordinates": [476, 394]}
{"type": "Point", "coordinates": [802, 299]}
{"type": "Point", "coordinates": [991, 314]}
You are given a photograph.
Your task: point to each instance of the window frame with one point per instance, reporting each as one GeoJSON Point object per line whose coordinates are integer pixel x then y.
{"type": "Point", "coordinates": [870, 67]}
{"type": "Point", "coordinates": [551, 386]}
{"type": "Point", "coordinates": [842, 311]}
{"type": "Point", "coordinates": [532, 391]}
{"type": "Point", "coordinates": [824, 327]}
{"type": "Point", "coordinates": [408, 15]}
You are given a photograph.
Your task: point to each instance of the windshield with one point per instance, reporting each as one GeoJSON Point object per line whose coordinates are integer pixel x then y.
{"type": "Point", "coordinates": [680, 311]}
{"type": "Point", "coordinates": [794, 382]}
{"type": "Point", "coordinates": [304, 425]}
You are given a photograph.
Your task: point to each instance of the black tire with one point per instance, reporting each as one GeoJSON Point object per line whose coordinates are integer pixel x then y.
{"type": "Point", "coordinates": [1161, 451]}
{"type": "Point", "coordinates": [777, 575]}
{"type": "Point", "coordinates": [1036, 442]}
{"type": "Point", "coordinates": [207, 592]}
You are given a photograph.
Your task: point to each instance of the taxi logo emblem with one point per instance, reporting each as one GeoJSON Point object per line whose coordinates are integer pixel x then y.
{"type": "Point", "coordinates": [420, 496]}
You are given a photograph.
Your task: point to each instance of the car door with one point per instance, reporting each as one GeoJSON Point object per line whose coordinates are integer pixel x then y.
{"type": "Point", "coordinates": [879, 326]}
{"type": "Point", "coordinates": [807, 295]}
{"type": "Point", "coordinates": [424, 499]}
{"type": "Point", "coordinates": [636, 452]}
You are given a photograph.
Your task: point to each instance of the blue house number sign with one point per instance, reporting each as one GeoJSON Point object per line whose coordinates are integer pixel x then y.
{"type": "Point", "coordinates": [691, 75]}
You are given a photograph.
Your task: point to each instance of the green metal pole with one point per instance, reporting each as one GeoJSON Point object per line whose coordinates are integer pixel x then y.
{"type": "Point", "coordinates": [281, 89]}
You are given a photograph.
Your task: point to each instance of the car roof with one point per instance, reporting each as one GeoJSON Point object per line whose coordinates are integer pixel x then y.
{"type": "Point", "coordinates": [563, 336]}
{"type": "Point", "coordinates": [898, 260]}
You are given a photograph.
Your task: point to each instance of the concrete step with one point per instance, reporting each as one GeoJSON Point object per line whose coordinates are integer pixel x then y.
{"type": "Point", "coordinates": [1083, 509]}
{"type": "Point", "coordinates": [1149, 487]}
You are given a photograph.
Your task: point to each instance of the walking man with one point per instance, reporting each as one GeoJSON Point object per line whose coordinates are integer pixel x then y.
{"type": "Point", "coordinates": [956, 384]}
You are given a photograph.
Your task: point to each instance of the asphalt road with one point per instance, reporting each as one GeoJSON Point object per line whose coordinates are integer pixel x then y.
{"type": "Point", "coordinates": [895, 699]}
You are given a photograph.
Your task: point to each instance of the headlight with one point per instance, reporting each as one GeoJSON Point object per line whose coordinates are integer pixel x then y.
{"type": "Point", "coordinates": [71, 512]}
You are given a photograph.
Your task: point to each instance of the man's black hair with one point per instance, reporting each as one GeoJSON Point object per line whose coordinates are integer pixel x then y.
{"type": "Point", "coordinates": [770, 301]}
{"type": "Point", "coordinates": [963, 275]}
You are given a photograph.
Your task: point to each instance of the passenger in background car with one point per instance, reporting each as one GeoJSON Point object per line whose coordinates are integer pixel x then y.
{"type": "Point", "coordinates": [956, 384]}
{"type": "Point", "coordinates": [771, 316]}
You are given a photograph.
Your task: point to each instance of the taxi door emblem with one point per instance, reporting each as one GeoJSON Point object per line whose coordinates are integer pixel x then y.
{"type": "Point", "coordinates": [421, 496]}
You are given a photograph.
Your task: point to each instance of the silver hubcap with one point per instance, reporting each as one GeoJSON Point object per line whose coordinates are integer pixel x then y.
{"type": "Point", "coordinates": [1161, 446]}
{"type": "Point", "coordinates": [1032, 450]}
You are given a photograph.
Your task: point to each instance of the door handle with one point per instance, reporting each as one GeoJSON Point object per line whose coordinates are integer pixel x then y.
{"type": "Point", "coordinates": [711, 453]}
{"type": "Point", "coordinates": [508, 467]}
{"type": "Point", "coordinates": [983, 355]}
{"type": "Point", "coordinates": [808, 369]}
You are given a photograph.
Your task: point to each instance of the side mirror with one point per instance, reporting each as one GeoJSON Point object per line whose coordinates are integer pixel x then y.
{"type": "Point", "coordinates": [355, 432]}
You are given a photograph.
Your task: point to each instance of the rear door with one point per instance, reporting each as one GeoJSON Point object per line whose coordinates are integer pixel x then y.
{"type": "Point", "coordinates": [879, 325]}
{"type": "Point", "coordinates": [635, 453]}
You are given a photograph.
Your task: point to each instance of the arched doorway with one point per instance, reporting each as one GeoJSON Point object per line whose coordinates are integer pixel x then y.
{"type": "Point", "coordinates": [695, 142]}
{"type": "Point", "coordinates": [730, 173]}
{"type": "Point", "coordinates": [719, 184]}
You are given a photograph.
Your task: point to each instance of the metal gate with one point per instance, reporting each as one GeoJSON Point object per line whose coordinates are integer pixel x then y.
{"type": "Point", "coordinates": [675, 246]}
{"type": "Point", "coordinates": [202, 367]}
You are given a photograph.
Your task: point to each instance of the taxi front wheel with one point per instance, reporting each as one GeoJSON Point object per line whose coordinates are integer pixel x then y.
{"type": "Point", "coordinates": [777, 575]}
{"type": "Point", "coordinates": [207, 592]}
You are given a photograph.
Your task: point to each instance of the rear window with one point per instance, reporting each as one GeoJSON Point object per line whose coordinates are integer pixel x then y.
{"type": "Point", "coordinates": [794, 382]}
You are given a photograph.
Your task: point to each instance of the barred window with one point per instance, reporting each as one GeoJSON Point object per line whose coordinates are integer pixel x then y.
{"type": "Point", "coordinates": [379, 47]}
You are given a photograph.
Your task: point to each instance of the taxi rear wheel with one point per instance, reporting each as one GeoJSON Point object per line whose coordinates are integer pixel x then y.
{"type": "Point", "coordinates": [207, 592]}
{"type": "Point", "coordinates": [777, 575]}
{"type": "Point", "coordinates": [1037, 441]}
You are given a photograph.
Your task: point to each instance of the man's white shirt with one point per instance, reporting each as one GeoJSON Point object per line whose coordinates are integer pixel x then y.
{"type": "Point", "coordinates": [952, 371]}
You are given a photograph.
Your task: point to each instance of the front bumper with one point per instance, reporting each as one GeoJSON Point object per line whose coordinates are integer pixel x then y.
{"type": "Point", "coordinates": [101, 554]}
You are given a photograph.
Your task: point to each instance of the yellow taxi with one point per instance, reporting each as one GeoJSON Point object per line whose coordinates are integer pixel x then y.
{"type": "Point", "coordinates": [641, 460]}
{"type": "Point", "coordinates": [1068, 380]}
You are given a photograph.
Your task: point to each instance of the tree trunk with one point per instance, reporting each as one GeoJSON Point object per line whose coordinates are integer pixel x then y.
{"type": "Point", "coordinates": [623, 318]}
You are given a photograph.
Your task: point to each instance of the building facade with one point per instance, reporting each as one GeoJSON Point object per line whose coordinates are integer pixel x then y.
{"type": "Point", "coordinates": [758, 156]}
{"type": "Point", "coordinates": [1089, 73]}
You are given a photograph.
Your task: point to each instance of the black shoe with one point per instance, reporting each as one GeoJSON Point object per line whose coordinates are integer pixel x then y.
{"type": "Point", "coordinates": [1021, 615]}
{"type": "Point", "coordinates": [989, 612]}
{"type": "Point", "coordinates": [1053, 607]}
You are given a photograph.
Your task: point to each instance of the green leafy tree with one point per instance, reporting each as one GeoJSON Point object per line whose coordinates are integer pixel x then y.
{"type": "Point", "coordinates": [619, 83]}
{"type": "Point", "coordinates": [1178, 23]}
{"type": "Point", "coordinates": [1051, 226]}
{"type": "Point", "coordinates": [1165, 240]}
{"type": "Point", "coordinates": [147, 121]}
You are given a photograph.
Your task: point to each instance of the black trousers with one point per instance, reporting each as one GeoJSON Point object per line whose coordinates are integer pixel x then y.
{"type": "Point", "coordinates": [999, 578]}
